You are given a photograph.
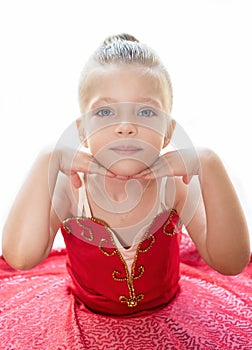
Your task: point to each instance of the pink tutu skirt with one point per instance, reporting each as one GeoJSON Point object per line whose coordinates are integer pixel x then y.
{"type": "Point", "coordinates": [210, 311]}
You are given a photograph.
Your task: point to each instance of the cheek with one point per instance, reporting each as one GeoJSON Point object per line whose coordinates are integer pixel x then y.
{"type": "Point", "coordinates": [95, 146]}
{"type": "Point", "coordinates": [97, 140]}
{"type": "Point", "coordinates": [153, 139]}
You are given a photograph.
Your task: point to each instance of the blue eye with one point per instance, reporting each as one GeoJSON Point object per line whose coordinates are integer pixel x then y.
{"type": "Point", "coordinates": [104, 112]}
{"type": "Point", "coordinates": [146, 113]}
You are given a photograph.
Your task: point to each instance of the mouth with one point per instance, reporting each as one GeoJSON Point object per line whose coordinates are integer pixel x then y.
{"type": "Point", "coordinates": [126, 150]}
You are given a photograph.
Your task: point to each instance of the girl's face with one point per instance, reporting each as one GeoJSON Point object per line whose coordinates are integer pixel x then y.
{"type": "Point", "coordinates": [124, 123]}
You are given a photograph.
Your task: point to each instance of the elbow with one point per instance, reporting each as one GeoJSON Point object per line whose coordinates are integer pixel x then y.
{"type": "Point", "coordinates": [22, 256]}
{"type": "Point", "coordinates": [232, 259]}
{"type": "Point", "coordinates": [14, 257]}
{"type": "Point", "coordinates": [229, 263]}
{"type": "Point", "coordinates": [230, 271]}
{"type": "Point", "coordinates": [13, 253]}
{"type": "Point", "coordinates": [19, 266]}
{"type": "Point", "coordinates": [243, 264]}
{"type": "Point", "coordinates": [17, 262]}
{"type": "Point", "coordinates": [234, 269]}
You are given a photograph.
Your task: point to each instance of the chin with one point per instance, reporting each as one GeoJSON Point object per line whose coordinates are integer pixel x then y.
{"type": "Point", "coordinates": [127, 167]}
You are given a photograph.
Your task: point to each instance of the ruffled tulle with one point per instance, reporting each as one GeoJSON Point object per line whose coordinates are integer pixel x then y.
{"type": "Point", "coordinates": [210, 311]}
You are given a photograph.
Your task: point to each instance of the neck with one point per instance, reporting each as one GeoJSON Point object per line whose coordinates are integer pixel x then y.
{"type": "Point", "coordinates": [119, 189]}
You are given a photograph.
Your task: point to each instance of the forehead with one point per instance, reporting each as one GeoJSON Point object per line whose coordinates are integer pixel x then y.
{"type": "Point", "coordinates": [124, 84]}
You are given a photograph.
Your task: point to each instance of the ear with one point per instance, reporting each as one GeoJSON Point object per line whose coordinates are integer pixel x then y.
{"type": "Point", "coordinates": [170, 128]}
{"type": "Point", "coordinates": [81, 132]}
{"type": "Point", "coordinates": [165, 142]}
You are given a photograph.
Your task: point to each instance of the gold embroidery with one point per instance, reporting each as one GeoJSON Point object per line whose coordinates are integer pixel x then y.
{"type": "Point", "coordinates": [141, 271]}
{"type": "Point", "coordinates": [103, 250]}
{"type": "Point", "coordinates": [132, 301]}
{"type": "Point", "coordinates": [98, 221]}
{"type": "Point", "coordinates": [120, 279]}
{"type": "Point", "coordinates": [172, 233]}
{"type": "Point", "coordinates": [68, 229]}
{"type": "Point", "coordinates": [90, 235]}
{"type": "Point", "coordinates": [86, 233]}
{"type": "Point", "coordinates": [149, 246]}
{"type": "Point", "coordinates": [116, 273]}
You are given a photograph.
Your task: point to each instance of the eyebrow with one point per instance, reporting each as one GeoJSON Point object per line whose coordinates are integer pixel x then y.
{"type": "Point", "coordinates": [101, 100]}
{"type": "Point", "coordinates": [151, 100]}
{"type": "Point", "coordinates": [109, 100]}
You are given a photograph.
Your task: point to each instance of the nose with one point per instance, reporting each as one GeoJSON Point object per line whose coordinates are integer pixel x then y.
{"type": "Point", "coordinates": [126, 129]}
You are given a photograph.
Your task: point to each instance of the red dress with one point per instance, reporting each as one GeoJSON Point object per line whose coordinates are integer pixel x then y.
{"type": "Point", "coordinates": [101, 281]}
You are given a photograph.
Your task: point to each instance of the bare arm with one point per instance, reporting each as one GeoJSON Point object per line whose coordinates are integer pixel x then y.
{"type": "Point", "coordinates": [31, 226]}
{"type": "Point", "coordinates": [219, 228]}
{"type": "Point", "coordinates": [32, 223]}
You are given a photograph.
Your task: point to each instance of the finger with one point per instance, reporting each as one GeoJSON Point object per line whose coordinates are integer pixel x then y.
{"type": "Point", "coordinates": [88, 164]}
{"type": "Point", "coordinates": [110, 174]}
{"type": "Point", "coordinates": [145, 175]}
{"type": "Point", "coordinates": [75, 179]}
{"type": "Point", "coordinates": [97, 168]}
{"type": "Point", "coordinates": [144, 172]}
{"type": "Point", "coordinates": [121, 177]}
{"type": "Point", "coordinates": [187, 178]}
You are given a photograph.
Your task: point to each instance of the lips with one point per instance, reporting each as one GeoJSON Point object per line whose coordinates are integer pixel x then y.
{"type": "Point", "coordinates": [126, 150]}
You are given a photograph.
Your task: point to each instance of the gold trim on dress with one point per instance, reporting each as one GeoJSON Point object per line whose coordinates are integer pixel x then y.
{"type": "Point", "coordinates": [132, 301]}
{"type": "Point", "coordinates": [89, 237]}
{"type": "Point", "coordinates": [103, 250]}
{"type": "Point", "coordinates": [149, 246]}
{"type": "Point", "coordinates": [172, 233]}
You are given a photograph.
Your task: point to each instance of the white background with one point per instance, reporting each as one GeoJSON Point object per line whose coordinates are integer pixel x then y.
{"type": "Point", "coordinates": [205, 44]}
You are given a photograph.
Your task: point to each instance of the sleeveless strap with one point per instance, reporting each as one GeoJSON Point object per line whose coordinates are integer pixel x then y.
{"type": "Point", "coordinates": [162, 194]}
{"type": "Point", "coordinates": [83, 205]}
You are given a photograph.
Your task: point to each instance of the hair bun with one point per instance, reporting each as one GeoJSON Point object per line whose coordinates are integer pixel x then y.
{"type": "Point", "coordinates": [119, 37]}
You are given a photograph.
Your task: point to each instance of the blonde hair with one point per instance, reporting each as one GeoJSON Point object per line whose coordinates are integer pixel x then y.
{"type": "Point", "coordinates": [125, 49]}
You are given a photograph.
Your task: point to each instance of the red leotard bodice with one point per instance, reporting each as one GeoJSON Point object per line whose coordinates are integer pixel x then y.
{"type": "Point", "coordinates": [100, 279]}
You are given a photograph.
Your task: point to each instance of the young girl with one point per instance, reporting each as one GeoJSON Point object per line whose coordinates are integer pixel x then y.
{"type": "Point", "coordinates": [121, 205]}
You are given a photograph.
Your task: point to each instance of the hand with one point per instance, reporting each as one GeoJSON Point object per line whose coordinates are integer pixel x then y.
{"type": "Point", "coordinates": [184, 162]}
{"type": "Point", "coordinates": [71, 162]}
